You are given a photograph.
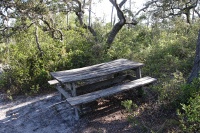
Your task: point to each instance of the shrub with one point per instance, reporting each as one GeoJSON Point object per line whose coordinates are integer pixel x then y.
{"type": "Point", "coordinates": [189, 90]}
{"type": "Point", "coordinates": [3, 52]}
{"type": "Point", "coordinates": [190, 118]}
{"type": "Point", "coordinates": [29, 71]}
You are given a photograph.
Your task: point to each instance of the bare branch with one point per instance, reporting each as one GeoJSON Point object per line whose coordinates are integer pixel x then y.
{"type": "Point", "coordinates": [79, 13]}
{"type": "Point", "coordinates": [146, 7]}
{"type": "Point", "coordinates": [37, 41]}
{"type": "Point", "coordinates": [122, 3]}
{"type": "Point", "coordinates": [53, 30]}
{"type": "Point", "coordinates": [197, 13]}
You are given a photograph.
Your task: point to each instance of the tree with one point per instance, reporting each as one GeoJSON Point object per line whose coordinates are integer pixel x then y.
{"type": "Point", "coordinates": [24, 14]}
{"type": "Point", "coordinates": [116, 28]}
{"type": "Point", "coordinates": [79, 11]}
{"type": "Point", "coordinates": [38, 13]}
{"type": "Point", "coordinates": [29, 13]}
{"type": "Point", "coordinates": [196, 67]}
{"type": "Point", "coordinates": [171, 8]}
{"type": "Point", "coordinates": [90, 10]}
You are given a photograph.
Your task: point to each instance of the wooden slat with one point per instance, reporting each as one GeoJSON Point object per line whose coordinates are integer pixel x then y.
{"type": "Point", "coordinates": [95, 70]}
{"type": "Point", "coordinates": [110, 91]}
{"type": "Point", "coordinates": [53, 82]}
{"type": "Point", "coordinates": [92, 74]}
{"type": "Point", "coordinates": [90, 68]}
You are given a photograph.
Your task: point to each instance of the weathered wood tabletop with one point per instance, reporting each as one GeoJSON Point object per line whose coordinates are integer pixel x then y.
{"type": "Point", "coordinates": [95, 71]}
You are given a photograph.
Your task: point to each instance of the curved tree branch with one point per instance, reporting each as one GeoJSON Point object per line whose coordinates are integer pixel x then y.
{"type": "Point", "coordinates": [146, 7]}
{"type": "Point", "coordinates": [37, 41]}
{"type": "Point", "coordinates": [53, 30]}
{"type": "Point", "coordinates": [175, 8]}
{"type": "Point", "coordinates": [79, 13]}
{"type": "Point", "coordinates": [21, 11]}
{"type": "Point", "coordinates": [117, 27]}
{"type": "Point", "coordinates": [197, 13]}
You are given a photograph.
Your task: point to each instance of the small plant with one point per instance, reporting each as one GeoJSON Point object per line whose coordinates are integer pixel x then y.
{"type": "Point", "coordinates": [129, 105]}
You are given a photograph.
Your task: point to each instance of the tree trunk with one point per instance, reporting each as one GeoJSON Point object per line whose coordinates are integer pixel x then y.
{"type": "Point", "coordinates": [112, 16]}
{"type": "Point", "coordinates": [117, 27]}
{"type": "Point", "coordinates": [90, 8]}
{"type": "Point", "coordinates": [114, 32]}
{"type": "Point", "coordinates": [196, 66]}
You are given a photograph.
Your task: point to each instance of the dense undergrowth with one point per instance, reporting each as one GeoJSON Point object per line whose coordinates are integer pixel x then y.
{"type": "Point", "coordinates": [167, 53]}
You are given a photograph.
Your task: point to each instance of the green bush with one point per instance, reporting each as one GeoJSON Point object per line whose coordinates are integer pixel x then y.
{"type": "Point", "coordinates": [29, 71]}
{"type": "Point", "coordinates": [190, 117]}
{"type": "Point", "coordinates": [164, 51]}
{"type": "Point", "coordinates": [189, 90]}
{"type": "Point", "coordinates": [3, 52]}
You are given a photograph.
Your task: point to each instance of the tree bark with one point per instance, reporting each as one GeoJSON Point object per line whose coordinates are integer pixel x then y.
{"type": "Point", "coordinates": [117, 27]}
{"type": "Point", "coordinates": [90, 10]}
{"type": "Point", "coordinates": [196, 66]}
{"type": "Point", "coordinates": [114, 32]}
{"type": "Point", "coordinates": [112, 16]}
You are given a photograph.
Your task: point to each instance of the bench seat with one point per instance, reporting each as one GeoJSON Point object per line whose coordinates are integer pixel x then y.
{"type": "Point", "coordinates": [89, 97]}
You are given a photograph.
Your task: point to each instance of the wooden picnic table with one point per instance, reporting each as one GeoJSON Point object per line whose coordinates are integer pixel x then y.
{"type": "Point", "coordinates": [70, 79]}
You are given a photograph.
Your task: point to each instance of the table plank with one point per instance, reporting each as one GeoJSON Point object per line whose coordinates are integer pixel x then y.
{"type": "Point", "coordinates": [95, 70]}
{"type": "Point", "coordinates": [88, 68]}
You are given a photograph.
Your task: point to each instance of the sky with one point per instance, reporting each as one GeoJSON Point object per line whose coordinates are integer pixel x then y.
{"type": "Point", "coordinates": [103, 10]}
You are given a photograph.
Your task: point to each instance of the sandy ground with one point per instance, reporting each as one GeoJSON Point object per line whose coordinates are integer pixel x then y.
{"type": "Point", "coordinates": [41, 114]}
{"type": "Point", "coordinates": [48, 114]}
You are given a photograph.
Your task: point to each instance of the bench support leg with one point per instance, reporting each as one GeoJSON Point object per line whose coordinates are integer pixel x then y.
{"type": "Point", "coordinates": [77, 110]}
{"type": "Point", "coordinates": [61, 95]}
{"type": "Point", "coordinates": [140, 92]}
{"type": "Point", "coordinates": [138, 76]}
{"type": "Point", "coordinates": [138, 73]}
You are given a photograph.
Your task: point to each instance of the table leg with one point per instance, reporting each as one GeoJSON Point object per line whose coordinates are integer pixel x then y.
{"type": "Point", "coordinates": [73, 89]}
{"type": "Point", "coordinates": [67, 87]}
{"type": "Point", "coordinates": [138, 73]}
{"type": "Point", "coordinates": [138, 76]}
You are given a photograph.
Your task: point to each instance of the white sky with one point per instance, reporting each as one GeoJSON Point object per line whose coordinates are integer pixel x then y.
{"type": "Point", "coordinates": [103, 9]}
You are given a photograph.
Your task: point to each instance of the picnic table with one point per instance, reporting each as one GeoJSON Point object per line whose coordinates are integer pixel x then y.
{"type": "Point", "coordinates": [103, 75]}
